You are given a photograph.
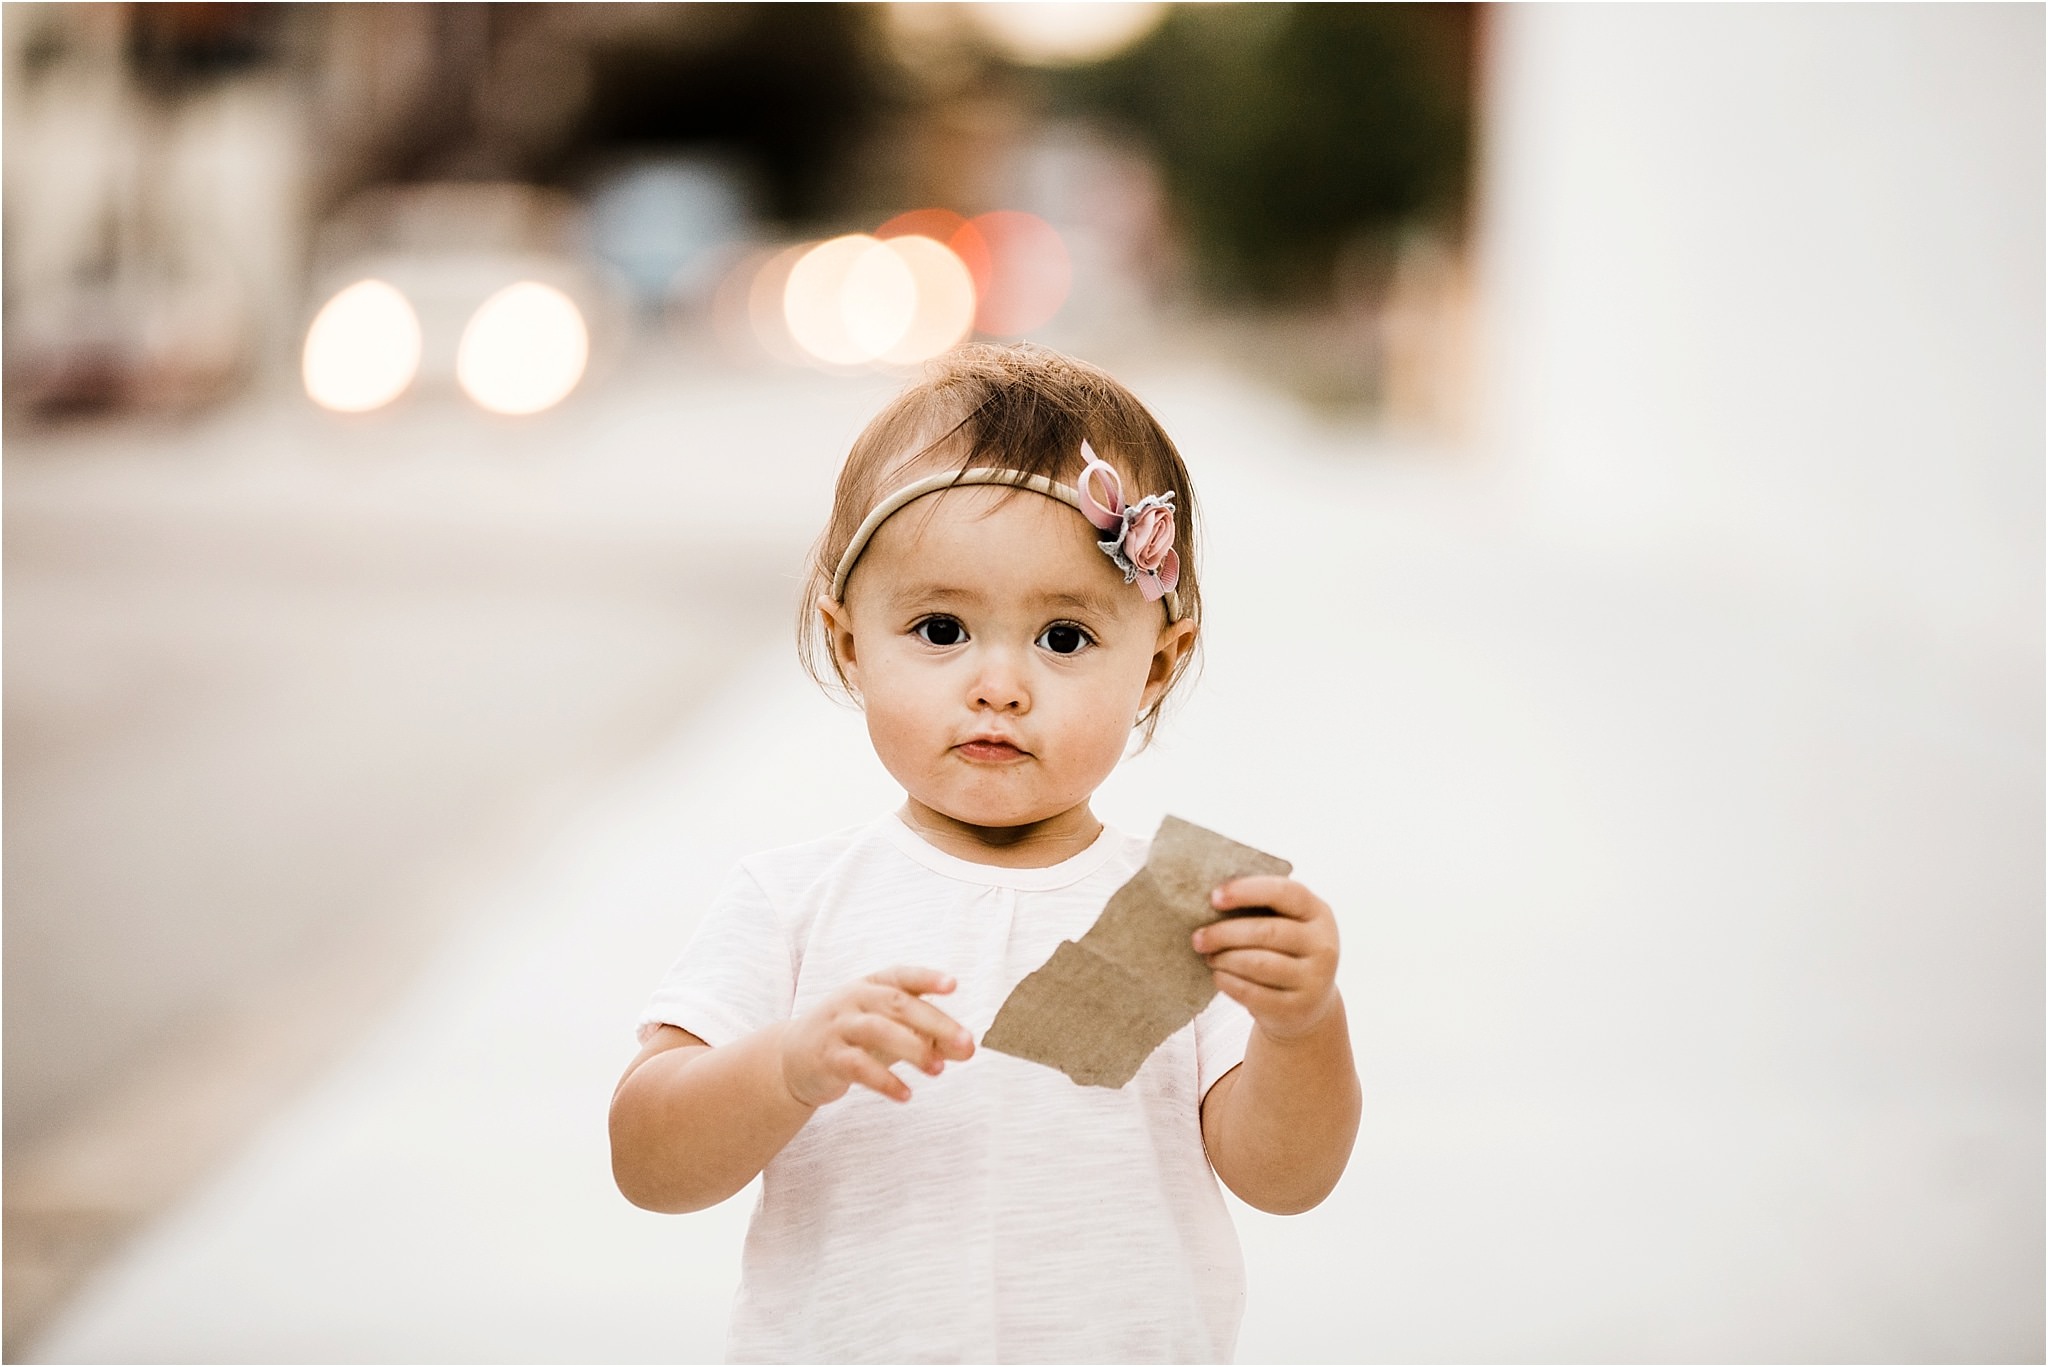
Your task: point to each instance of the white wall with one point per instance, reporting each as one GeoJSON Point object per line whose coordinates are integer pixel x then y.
{"type": "Point", "coordinates": [1764, 287]}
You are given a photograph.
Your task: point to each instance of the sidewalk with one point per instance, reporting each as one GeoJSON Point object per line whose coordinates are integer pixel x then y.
{"type": "Point", "coordinates": [1693, 949]}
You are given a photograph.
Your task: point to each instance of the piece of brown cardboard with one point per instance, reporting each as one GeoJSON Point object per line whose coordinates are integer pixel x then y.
{"type": "Point", "coordinates": [1101, 1004]}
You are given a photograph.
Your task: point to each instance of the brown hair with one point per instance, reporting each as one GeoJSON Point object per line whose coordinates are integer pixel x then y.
{"type": "Point", "coordinates": [1020, 407]}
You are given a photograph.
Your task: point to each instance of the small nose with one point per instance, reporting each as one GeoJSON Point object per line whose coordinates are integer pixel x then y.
{"type": "Point", "coordinates": [999, 684]}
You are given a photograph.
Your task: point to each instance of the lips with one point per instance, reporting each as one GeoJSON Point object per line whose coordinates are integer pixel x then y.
{"type": "Point", "coordinates": [989, 750]}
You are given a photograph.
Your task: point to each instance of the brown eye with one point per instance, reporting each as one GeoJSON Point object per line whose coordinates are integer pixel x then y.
{"type": "Point", "coordinates": [1064, 638]}
{"type": "Point", "coordinates": [939, 631]}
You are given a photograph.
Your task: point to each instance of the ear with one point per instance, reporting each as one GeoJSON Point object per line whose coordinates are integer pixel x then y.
{"type": "Point", "coordinates": [1175, 640]}
{"type": "Point", "coordinates": [837, 624]}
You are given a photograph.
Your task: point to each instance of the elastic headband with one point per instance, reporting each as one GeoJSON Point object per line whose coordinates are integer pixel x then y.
{"type": "Point", "coordinates": [1145, 555]}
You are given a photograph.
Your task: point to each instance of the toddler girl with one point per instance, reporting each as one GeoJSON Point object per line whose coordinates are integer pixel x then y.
{"type": "Point", "coordinates": [1008, 587]}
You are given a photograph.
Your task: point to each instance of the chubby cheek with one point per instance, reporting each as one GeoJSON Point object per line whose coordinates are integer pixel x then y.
{"type": "Point", "coordinates": [901, 730]}
{"type": "Point", "coordinates": [1098, 731]}
{"type": "Point", "coordinates": [1092, 755]}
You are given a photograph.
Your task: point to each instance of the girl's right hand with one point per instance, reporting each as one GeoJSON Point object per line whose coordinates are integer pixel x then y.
{"type": "Point", "coordinates": [858, 1032]}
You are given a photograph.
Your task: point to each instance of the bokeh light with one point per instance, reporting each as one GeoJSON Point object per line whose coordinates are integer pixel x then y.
{"type": "Point", "coordinates": [924, 281]}
{"type": "Point", "coordinates": [1023, 272]}
{"type": "Point", "coordinates": [877, 299]}
{"type": "Point", "coordinates": [971, 247]}
{"type": "Point", "coordinates": [524, 349]}
{"type": "Point", "coordinates": [858, 299]}
{"type": "Point", "coordinates": [945, 297]}
{"type": "Point", "coordinates": [1055, 33]}
{"type": "Point", "coordinates": [849, 299]}
{"type": "Point", "coordinates": [767, 280]}
{"type": "Point", "coordinates": [959, 234]}
{"type": "Point", "coordinates": [363, 349]}
{"type": "Point", "coordinates": [937, 224]}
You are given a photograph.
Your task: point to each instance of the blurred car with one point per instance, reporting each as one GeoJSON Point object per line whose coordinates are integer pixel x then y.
{"type": "Point", "coordinates": [504, 303]}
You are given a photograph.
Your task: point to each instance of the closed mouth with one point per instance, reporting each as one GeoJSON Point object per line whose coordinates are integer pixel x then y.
{"type": "Point", "coordinates": [988, 749]}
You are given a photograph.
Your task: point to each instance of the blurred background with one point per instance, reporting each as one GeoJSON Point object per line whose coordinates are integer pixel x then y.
{"type": "Point", "coordinates": [1621, 432]}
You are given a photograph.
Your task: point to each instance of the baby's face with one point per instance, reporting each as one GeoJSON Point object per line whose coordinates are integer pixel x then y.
{"type": "Point", "coordinates": [999, 656]}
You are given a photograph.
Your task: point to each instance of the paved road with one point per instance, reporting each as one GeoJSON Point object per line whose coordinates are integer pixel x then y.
{"type": "Point", "coordinates": [1693, 938]}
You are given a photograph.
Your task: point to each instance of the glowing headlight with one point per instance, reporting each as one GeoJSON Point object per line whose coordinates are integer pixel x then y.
{"type": "Point", "coordinates": [363, 349]}
{"type": "Point", "coordinates": [524, 349]}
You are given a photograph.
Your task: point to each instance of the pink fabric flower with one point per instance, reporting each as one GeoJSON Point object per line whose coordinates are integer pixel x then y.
{"type": "Point", "coordinates": [1148, 539]}
{"type": "Point", "coordinates": [1138, 538]}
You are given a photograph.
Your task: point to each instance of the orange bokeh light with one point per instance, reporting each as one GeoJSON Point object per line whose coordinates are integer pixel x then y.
{"type": "Point", "coordinates": [936, 224]}
{"type": "Point", "coordinates": [945, 300]}
{"type": "Point", "coordinates": [956, 231]}
{"type": "Point", "coordinates": [857, 299]}
{"type": "Point", "coordinates": [848, 300]}
{"type": "Point", "coordinates": [1021, 270]}
{"type": "Point", "coordinates": [1028, 272]}
{"type": "Point", "coordinates": [971, 247]}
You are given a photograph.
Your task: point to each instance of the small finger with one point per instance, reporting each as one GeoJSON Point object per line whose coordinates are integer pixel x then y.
{"type": "Point", "coordinates": [1270, 891]}
{"type": "Point", "coordinates": [947, 1035]}
{"type": "Point", "coordinates": [1249, 932]}
{"type": "Point", "coordinates": [1254, 997]}
{"type": "Point", "coordinates": [858, 1066]}
{"type": "Point", "coordinates": [892, 1042]}
{"type": "Point", "coordinates": [914, 980]}
{"type": "Point", "coordinates": [1262, 966]}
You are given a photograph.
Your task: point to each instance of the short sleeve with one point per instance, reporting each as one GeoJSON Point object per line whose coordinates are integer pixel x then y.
{"type": "Point", "coordinates": [1221, 1032]}
{"type": "Point", "coordinates": [737, 974]}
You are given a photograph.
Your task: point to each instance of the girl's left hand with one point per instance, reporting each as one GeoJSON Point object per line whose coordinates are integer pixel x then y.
{"type": "Point", "coordinates": [1282, 968]}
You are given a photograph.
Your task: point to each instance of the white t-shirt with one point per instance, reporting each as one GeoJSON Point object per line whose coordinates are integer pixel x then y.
{"type": "Point", "coordinates": [1004, 1213]}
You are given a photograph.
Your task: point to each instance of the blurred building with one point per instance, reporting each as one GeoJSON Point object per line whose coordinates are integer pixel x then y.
{"type": "Point", "coordinates": [157, 189]}
{"type": "Point", "coordinates": [183, 178]}
{"type": "Point", "coordinates": [168, 166]}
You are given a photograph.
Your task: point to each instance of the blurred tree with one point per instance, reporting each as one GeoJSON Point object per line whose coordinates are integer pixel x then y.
{"type": "Point", "coordinates": [175, 46]}
{"type": "Point", "coordinates": [1289, 132]}
{"type": "Point", "coordinates": [538, 92]}
{"type": "Point", "coordinates": [787, 89]}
